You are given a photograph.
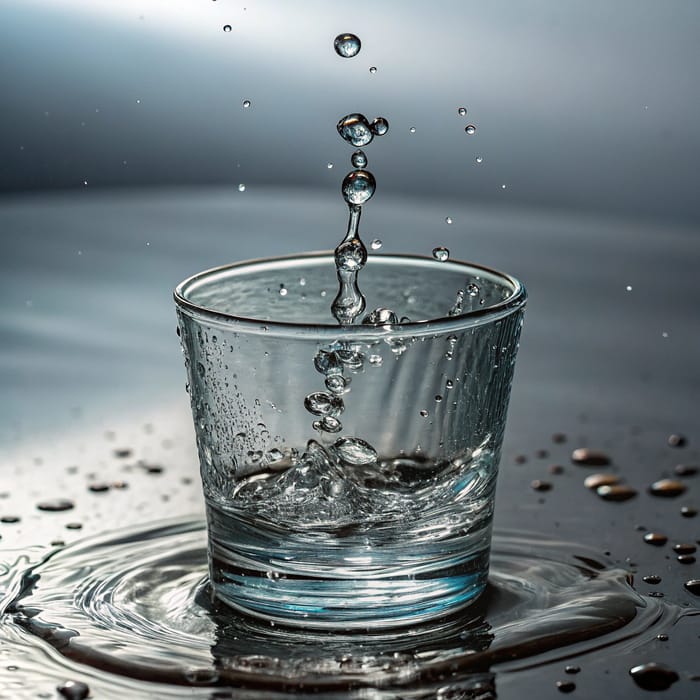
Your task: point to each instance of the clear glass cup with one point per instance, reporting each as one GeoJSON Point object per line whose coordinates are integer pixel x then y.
{"type": "Point", "coordinates": [349, 471]}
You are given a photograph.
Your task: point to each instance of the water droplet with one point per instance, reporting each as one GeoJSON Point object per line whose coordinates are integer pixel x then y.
{"type": "Point", "coordinates": [355, 129]}
{"type": "Point", "coordinates": [655, 538]}
{"type": "Point", "coordinates": [539, 485]}
{"type": "Point", "coordinates": [503, 187]}
{"type": "Point", "coordinates": [412, 130]}
{"type": "Point", "coordinates": [470, 129]}
{"type": "Point", "coordinates": [617, 492]}
{"type": "Point", "coordinates": [321, 404]}
{"type": "Point", "coordinates": [330, 424]}
{"type": "Point", "coordinates": [55, 505]}
{"type": "Point", "coordinates": [74, 690]}
{"type": "Point", "coordinates": [246, 104]}
{"type": "Point", "coordinates": [9, 519]}
{"type": "Point", "coordinates": [327, 362]}
{"type": "Point", "coordinates": [351, 255]}
{"type": "Point", "coordinates": [473, 290]}
{"type": "Point", "coordinates": [380, 317]}
{"type": "Point", "coordinates": [336, 383]}
{"type": "Point", "coordinates": [667, 488]}
{"type": "Point", "coordinates": [572, 670]}
{"type": "Point", "coordinates": [653, 676]}
{"type": "Point", "coordinates": [359, 159]}
{"type": "Point", "coordinates": [347, 45]}
{"type": "Point", "coordinates": [688, 511]}
{"type": "Point", "coordinates": [380, 126]}
{"type": "Point", "coordinates": [441, 253]}
{"type": "Point", "coordinates": [686, 470]}
{"type": "Point", "coordinates": [589, 458]}
{"type": "Point", "coordinates": [462, 111]}
{"type": "Point", "coordinates": [596, 480]}
{"type": "Point", "coordinates": [629, 287]}
{"type": "Point", "coordinates": [358, 187]}
{"type": "Point", "coordinates": [329, 166]}
{"type": "Point", "coordinates": [652, 579]}
{"type": "Point", "coordinates": [376, 244]}
{"type": "Point", "coordinates": [693, 586]}
{"type": "Point", "coordinates": [423, 413]}
{"type": "Point", "coordinates": [662, 637]}
{"type": "Point", "coordinates": [677, 441]}
{"type": "Point", "coordinates": [448, 219]}
{"type": "Point", "coordinates": [227, 27]}
{"type": "Point", "coordinates": [98, 487]}
{"type": "Point", "coordinates": [355, 451]}
{"type": "Point", "coordinates": [555, 469]}
{"type": "Point", "coordinates": [74, 526]}
{"type": "Point", "coordinates": [685, 559]}
{"type": "Point", "coordinates": [373, 69]}
{"type": "Point", "coordinates": [683, 548]}
{"type": "Point", "coordinates": [241, 187]}
{"type": "Point", "coordinates": [449, 384]}
{"type": "Point", "coordinates": [283, 291]}
{"type": "Point", "coordinates": [376, 360]}
{"type": "Point", "coordinates": [438, 398]}
{"type": "Point", "coordinates": [565, 686]}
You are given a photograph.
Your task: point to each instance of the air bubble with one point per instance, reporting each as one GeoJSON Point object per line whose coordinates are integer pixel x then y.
{"type": "Point", "coordinates": [472, 290]}
{"type": "Point", "coordinates": [462, 111]}
{"type": "Point", "coordinates": [227, 27]}
{"type": "Point", "coordinates": [423, 413]}
{"type": "Point", "coordinates": [246, 104]}
{"type": "Point", "coordinates": [380, 317]}
{"type": "Point", "coordinates": [373, 69]}
{"type": "Point", "coordinates": [283, 291]}
{"type": "Point", "coordinates": [479, 159]}
{"type": "Point", "coordinates": [355, 451]}
{"type": "Point", "coordinates": [412, 130]}
{"type": "Point", "coordinates": [470, 129]}
{"type": "Point", "coordinates": [441, 253]}
{"type": "Point", "coordinates": [321, 404]}
{"type": "Point", "coordinates": [347, 45]}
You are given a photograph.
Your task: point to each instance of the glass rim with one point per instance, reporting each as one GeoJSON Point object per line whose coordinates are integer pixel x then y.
{"type": "Point", "coordinates": [468, 319]}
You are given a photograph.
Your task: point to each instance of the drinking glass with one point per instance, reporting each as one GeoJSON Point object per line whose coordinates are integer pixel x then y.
{"type": "Point", "coordinates": [349, 470]}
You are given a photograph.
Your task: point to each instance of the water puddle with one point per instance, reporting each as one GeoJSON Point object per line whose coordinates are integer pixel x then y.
{"type": "Point", "coordinates": [129, 614]}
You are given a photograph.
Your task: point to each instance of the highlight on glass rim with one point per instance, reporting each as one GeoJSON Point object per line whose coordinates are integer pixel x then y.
{"type": "Point", "coordinates": [360, 491]}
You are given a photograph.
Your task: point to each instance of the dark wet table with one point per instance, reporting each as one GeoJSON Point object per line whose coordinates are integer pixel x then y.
{"type": "Point", "coordinates": [94, 409]}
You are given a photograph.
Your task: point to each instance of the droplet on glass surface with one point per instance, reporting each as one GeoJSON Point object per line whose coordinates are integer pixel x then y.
{"type": "Point", "coordinates": [412, 130]}
{"type": "Point", "coordinates": [686, 469]}
{"type": "Point", "coordinates": [376, 244]}
{"type": "Point", "coordinates": [462, 111]}
{"type": "Point", "coordinates": [572, 670]}
{"type": "Point", "coordinates": [373, 69]}
{"type": "Point", "coordinates": [685, 559]}
{"type": "Point", "coordinates": [448, 219]}
{"type": "Point", "coordinates": [355, 451]}
{"type": "Point", "coordinates": [358, 159]}
{"type": "Point", "coordinates": [379, 126]}
{"type": "Point", "coordinates": [479, 159]}
{"type": "Point", "coordinates": [688, 511]}
{"type": "Point", "coordinates": [329, 165]}
{"type": "Point", "coordinates": [241, 187]}
{"type": "Point", "coordinates": [423, 413]}
{"type": "Point", "coordinates": [473, 290]}
{"type": "Point", "coordinates": [565, 686]}
{"type": "Point", "coordinates": [246, 104]}
{"type": "Point", "coordinates": [684, 548]}
{"type": "Point", "coordinates": [347, 45]}
{"type": "Point", "coordinates": [470, 129]}
{"type": "Point", "coordinates": [283, 291]}
{"type": "Point", "coordinates": [441, 253]}
{"type": "Point", "coordinates": [55, 505]}
{"type": "Point", "coordinates": [227, 27]}
{"type": "Point", "coordinates": [653, 676]}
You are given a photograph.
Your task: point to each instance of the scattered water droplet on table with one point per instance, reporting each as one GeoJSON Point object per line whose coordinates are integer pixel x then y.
{"type": "Point", "coordinates": [667, 488]}
{"type": "Point", "coordinates": [653, 676]}
{"type": "Point", "coordinates": [589, 457]}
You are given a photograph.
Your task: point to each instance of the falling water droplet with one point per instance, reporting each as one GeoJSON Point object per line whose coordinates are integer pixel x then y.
{"type": "Point", "coordinates": [358, 186]}
{"type": "Point", "coordinates": [379, 126]}
{"type": "Point", "coordinates": [347, 45]}
{"type": "Point", "coordinates": [355, 129]}
{"type": "Point", "coordinates": [470, 129]}
{"type": "Point", "coordinates": [359, 159]}
{"type": "Point", "coordinates": [462, 111]}
{"type": "Point", "coordinates": [355, 451]}
{"type": "Point", "coordinates": [441, 253]}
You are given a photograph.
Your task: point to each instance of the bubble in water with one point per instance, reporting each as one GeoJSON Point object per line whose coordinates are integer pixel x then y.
{"type": "Point", "coordinates": [321, 404]}
{"type": "Point", "coordinates": [441, 253]}
{"type": "Point", "coordinates": [355, 129]}
{"type": "Point", "coordinates": [336, 383]}
{"type": "Point", "coordinates": [376, 360]}
{"type": "Point", "coordinates": [241, 187]}
{"type": "Point", "coordinates": [359, 159]}
{"type": "Point", "coordinates": [227, 27]}
{"type": "Point", "coordinates": [330, 424]}
{"type": "Point", "coordinates": [376, 244]}
{"type": "Point", "coordinates": [347, 45]}
{"type": "Point", "coordinates": [355, 451]}
{"type": "Point", "coordinates": [470, 129]}
{"type": "Point", "coordinates": [472, 290]}
{"type": "Point", "coordinates": [479, 159]}
{"type": "Point", "coordinates": [379, 126]}
{"type": "Point", "coordinates": [423, 413]}
{"type": "Point", "coordinates": [246, 104]}
{"type": "Point", "coordinates": [373, 69]}
{"type": "Point", "coordinates": [380, 317]}
{"type": "Point", "coordinates": [358, 186]}
{"type": "Point", "coordinates": [351, 255]}
{"type": "Point", "coordinates": [462, 111]}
